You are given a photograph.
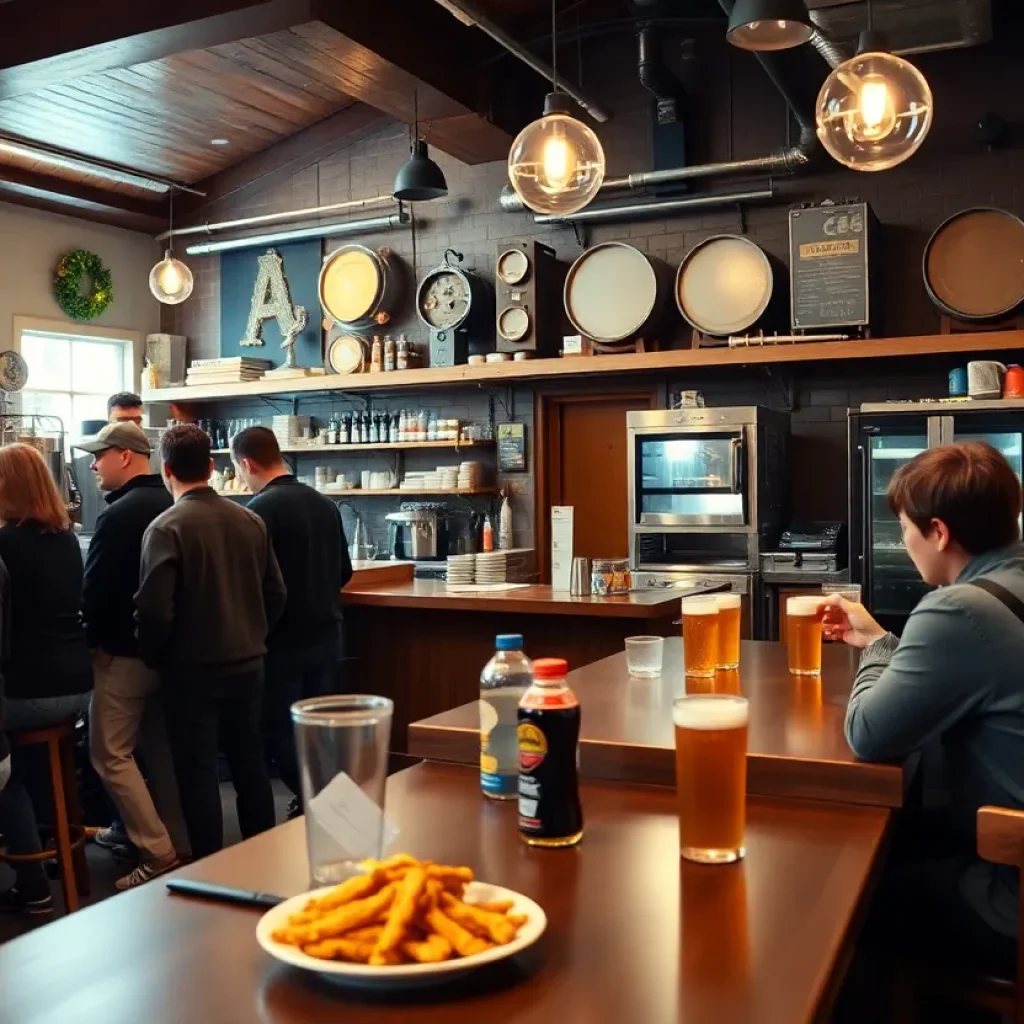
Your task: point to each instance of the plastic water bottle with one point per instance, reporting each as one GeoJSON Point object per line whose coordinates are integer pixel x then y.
{"type": "Point", "coordinates": [504, 680]}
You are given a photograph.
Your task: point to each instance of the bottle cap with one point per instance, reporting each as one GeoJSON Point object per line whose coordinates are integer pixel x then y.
{"type": "Point", "coordinates": [550, 668]}
{"type": "Point", "coordinates": [509, 642]}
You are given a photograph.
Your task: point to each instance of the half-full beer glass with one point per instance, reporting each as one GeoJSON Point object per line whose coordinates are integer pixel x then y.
{"type": "Point", "coordinates": [728, 630]}
{"type": "Point", "coordinates": [711, 776]}
{"type": "Point", "coordinates": [803, 634]}
{"type": "Point", "coordinates": [700, 635]}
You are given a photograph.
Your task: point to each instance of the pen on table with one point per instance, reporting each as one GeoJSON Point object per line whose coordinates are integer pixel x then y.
{"type": "Point", "coordinates": [223, 893]}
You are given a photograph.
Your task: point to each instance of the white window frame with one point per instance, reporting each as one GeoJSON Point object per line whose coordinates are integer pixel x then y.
{"type": "Point", "coordinates": [132, 347]}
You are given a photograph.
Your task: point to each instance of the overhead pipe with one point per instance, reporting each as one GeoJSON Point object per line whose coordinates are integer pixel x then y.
{"type": "Point", "coordinates": [472, 15]}
{"type": "Point", "coordinates": [352, 227]}
{"type": "Point", "coordinates": [831, 52]}
{"type": "Point", "coordinates": [785, 161]}
{"type": "Point", "coordinates": [268, 218]}
{"type": "Point", "coordinates": [656, 78]}
{"type": "Point", "coordinates": [656, 207]}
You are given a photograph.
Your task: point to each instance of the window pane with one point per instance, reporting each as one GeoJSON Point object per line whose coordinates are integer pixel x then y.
{"type": "Point", "coordinates": [50, 404]}
{"type": "Point", "coordinates": [49, 361]}
{"type": "Point", "coordinates": [86, 407]}
{"type": "Point", "coordinates": [97, 366]}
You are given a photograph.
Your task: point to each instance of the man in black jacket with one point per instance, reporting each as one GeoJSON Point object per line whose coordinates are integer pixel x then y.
{"type": "Point", "coordinates": [125, 708]}
{"type": "Point", "coordinates": [309, 541]}
{"type": "Point", "coordinates": [210, 589]}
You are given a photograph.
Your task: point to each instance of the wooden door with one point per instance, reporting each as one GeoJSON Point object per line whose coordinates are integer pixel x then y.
{"type": "Point", "coordinates": [583, 462]}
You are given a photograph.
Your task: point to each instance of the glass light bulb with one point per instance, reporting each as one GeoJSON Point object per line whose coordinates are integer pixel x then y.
{"type": "Point", "coordinates": [170, 280]}
{"type": "Point", "coordinates": [874, 111]}
{"type": "Point", "coordinates": [556, 164]}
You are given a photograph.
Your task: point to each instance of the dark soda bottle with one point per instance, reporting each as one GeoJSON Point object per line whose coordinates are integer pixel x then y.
{"type": "Point", "coordinates": [549, 735]}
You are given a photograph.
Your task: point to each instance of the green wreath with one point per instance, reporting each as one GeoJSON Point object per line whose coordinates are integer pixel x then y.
{"type": "Point", "coordinates": [67, 284]}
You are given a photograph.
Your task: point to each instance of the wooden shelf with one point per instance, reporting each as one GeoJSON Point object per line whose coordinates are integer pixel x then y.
{"type": "Point", "coordinates": [503, 374]}
{"type": "Point", "coordinates": [369, 449]}
{"type": "Point", "coordinates": [391, 492]}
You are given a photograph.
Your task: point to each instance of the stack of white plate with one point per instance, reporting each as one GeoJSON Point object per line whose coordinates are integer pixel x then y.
{"type": "Point", "coordinates": [413, 482]}
{"type": "Point", "coordinates": [461, 568]}
{"type": "Point", "coordinates": [449, 476]}
{"type": "Point", "coordinates": [470, 476]}
{"type": "Point", "coordinates": [491, 567]}
{"type": "Point", "coordinates": [288, 429]}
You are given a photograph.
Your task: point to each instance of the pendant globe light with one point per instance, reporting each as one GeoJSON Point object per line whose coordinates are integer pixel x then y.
{"type": "Point", "coordinates": [556, 164]}
{"type": "Point", "coordinates": [874, 110]}
{"type": "Point", "coordinates": [419, 179]}
{"type": "Point", "coordinates": [769, 24]}
{"type": "Point", "coordinates": [170, 280]}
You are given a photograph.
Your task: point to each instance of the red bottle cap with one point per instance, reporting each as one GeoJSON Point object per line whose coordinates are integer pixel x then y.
{"type": "Point", "coordinates": [550, 668]}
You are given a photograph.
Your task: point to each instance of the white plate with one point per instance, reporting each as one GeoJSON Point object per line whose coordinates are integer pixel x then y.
{"type": "Point", "coordinates": [403, 975]}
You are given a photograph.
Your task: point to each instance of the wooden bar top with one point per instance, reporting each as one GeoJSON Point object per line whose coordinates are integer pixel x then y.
{"type": "Point", "coordinates": [797, 748]}
{"type": "Point", "coordinates": [633, 933]}
{"type": "Point", "coordinates": [531, 600]}
{"type": "Point", "coordinates": [375, 574]}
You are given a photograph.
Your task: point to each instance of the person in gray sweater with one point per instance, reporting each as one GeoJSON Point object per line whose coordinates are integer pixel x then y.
{"type": "Point", "coordinates": [954, 678]}
{"type": "Point", "coordinates": [210, 589]}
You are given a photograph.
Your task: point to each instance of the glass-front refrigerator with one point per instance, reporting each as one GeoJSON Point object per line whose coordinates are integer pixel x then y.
{"type": "Point", "coordinates": [885, 436]}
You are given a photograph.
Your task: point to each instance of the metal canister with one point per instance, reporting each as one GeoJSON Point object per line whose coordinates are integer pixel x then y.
{"type": "Point", "coordinates": [610, 576]}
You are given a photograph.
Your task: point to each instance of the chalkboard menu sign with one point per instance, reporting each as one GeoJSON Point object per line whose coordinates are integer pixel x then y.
{"type": "Point", "coordinates": [511, 448]}
{"type": "Point", "coordinates": [828, 259]}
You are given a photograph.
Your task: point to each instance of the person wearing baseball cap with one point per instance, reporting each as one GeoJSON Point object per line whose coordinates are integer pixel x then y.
{"type": "Point", "coordinates": [126, 708]}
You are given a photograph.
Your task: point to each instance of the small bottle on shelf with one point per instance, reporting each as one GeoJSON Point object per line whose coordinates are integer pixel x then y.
{"type": "Point", "coordinates": [488, 538]}
{"type": "Point", "coordinates": [421, 430]}
{"type": "Point", "coordinates": [402, 353]}
{"type": "Point", "coordinates": [376, 355]}
{"type": "Point", "coordinates": [393, 432]}
{"type": "Point", "coordinates": [432, 428]}
{"type": "Point", "coordinates": [345, 431]}
{"type": "Point", "coordinates": [389, 353]}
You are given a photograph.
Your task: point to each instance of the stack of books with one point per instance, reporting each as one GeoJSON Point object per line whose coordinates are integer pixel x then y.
{"type": "Point", "coordinates": [227, 370]}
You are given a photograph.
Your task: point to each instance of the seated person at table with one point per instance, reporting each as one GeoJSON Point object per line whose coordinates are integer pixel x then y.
{"type": "Point", "coordinates": [46, 667]}
{"type": "Point", "coordinates": [954, 676]}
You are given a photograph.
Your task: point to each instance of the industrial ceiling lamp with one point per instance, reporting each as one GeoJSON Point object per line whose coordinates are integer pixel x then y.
{"type": "Point", "coordinates": [875, 109]}
{"type": "Point", "coordinates": [419, 178]}
{"type": "Point", "coordinates": [170, 280]}
{"type": "Point", "coordinates": [556, 164]}
{"type": "Point", "coordinates": [769, 24]}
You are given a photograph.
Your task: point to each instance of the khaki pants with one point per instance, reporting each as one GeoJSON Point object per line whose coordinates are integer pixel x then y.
{"type": "Point", "coordinates": [126, 712]}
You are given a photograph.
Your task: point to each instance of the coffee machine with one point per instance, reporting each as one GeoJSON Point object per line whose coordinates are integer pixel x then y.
{"type": "Point", "coordinates": [418, 532]}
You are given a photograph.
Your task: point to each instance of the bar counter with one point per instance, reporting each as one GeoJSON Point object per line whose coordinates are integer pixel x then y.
{"type": "Point", "coordinates": [633, 932]}
{"type": "Point", "coordinates": [424, 647]}
{"type": "Point", "coordinates": [797, 747]}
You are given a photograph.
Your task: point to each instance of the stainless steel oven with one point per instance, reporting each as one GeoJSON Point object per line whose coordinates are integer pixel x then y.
{"type": "Point", "coordinates": [708, 491]}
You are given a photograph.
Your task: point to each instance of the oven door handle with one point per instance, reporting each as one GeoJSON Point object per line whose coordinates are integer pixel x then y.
{"type": "Point", "coordinates": [736, 446]}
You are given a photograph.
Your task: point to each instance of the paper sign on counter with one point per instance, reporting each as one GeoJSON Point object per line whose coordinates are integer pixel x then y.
{"type": "Point", "coordinates": [351, 819]}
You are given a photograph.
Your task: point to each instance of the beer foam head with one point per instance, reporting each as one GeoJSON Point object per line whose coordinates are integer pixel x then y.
{"type": "Point", "coordinates": [710, 711]}
{"type": "Point", "coordinates": [807, 604]}
{"type": "Point", "coordinates": [728, 601]}
{"type": "Point", "coordinates": [700, 606]}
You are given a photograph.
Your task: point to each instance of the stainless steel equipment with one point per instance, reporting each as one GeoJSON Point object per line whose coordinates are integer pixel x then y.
{"type": "Point", "coordinates": [884, 436]}
{"type": "Point", "coordinates": [708, 491]}
{"type": "Point", "coordinates": [418, 532]}
{"type": "Point", "coordinates": [458, 309]}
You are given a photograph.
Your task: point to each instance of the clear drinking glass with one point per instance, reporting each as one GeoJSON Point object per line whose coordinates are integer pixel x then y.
{"type": "Point", "coordinates": [644, 656]}
{"type": "Point", "coordinates": [851, 591]}
{"type": "Point", "coordinates": [803, 634]}
{"type": "Point", "coordinates": [342, 744]}
{"type": "Point", "coordinates": [729, 609]}
{"type": "Point", "coordinates": [700, 635]}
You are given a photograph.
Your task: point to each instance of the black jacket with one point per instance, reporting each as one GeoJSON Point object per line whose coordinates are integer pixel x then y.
{"type": "Point", "coordinates": [309, 541]}
{"type": "Point", "coordinates": [209, 588]}
{"type": "Point", "coordinates": [48, 655]}
{"type": "Point", "coordinates": [112, 565]}
{"type": "Point", "coordinates": [5, 647]}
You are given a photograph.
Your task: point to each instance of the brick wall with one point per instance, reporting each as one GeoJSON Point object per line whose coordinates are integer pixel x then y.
{"type": "Point", "coordinates": [952, 171]}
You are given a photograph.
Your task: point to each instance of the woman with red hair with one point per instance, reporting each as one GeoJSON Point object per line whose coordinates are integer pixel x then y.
{"type": "Point", "coordinates": [44, 659]}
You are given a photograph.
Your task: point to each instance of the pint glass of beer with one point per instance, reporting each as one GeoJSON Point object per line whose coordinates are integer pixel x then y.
{"type": "Point", "coordinates": [711, 776]}
{"type": "Point", "coordinates": [728, 630]}
{"type": "Point", "coordinates": [700, 635]}
{"type": "Point", "coordinates": [803, 633]}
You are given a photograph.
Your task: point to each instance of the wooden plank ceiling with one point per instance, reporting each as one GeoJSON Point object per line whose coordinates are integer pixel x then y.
{"type": "Point", "coordinates": [154, 101]}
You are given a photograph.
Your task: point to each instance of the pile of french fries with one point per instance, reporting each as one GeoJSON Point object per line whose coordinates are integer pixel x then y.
{"type": "Point", "coordinates": [400, 911]}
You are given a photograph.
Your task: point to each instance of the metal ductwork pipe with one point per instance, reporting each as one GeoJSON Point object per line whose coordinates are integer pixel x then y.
{"type": "Point", "coordinates": [798, 88]}
{"type": "Point", "coordinates": [352, 227]}
{"type": "Point", "coordinates": [656, 78]}
{"type": "Point", "coordinates": [654, 208]}
{"type": "Point", "coordinates": [472, 15]}
{"type": "Point", "coordinates": [831, 52]}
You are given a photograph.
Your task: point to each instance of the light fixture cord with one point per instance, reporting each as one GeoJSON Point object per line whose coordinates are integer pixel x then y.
{"type": "Point", "coordinates": [554, 46]}
{"type": "Point", "coordinates": [170, 220]}
{"type": "Point", "coordinates": [871, 20]}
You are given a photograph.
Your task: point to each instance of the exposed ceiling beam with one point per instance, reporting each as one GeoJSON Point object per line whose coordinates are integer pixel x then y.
{"type": "Point", "coordinates": [43, 191]}
{"type": "Point", "coordinates": [45, 43]}
{"type": "Point", "coordinates": [264, 170]}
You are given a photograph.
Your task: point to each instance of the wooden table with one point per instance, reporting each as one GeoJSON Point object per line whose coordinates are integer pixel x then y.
{"type": "Point", "coordinates": [797, 748]}
{"type": "Point", "coordinates": [424, 647]}
{"type": "Point", "coordinates": [633, 934]}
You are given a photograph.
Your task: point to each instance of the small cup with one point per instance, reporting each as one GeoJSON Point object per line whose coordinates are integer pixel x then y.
{"type": "Point", "coordinates": [851, 591]}
{"type": "Point", "coordinates": [644, 656]}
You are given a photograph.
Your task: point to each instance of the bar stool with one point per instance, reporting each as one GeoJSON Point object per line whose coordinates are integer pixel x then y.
{"type": "Point", "coordinates": [69, 836]}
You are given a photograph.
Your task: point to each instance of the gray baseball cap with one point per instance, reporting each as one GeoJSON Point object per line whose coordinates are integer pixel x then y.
{"type": "Point", "coordinates": [124, 435]}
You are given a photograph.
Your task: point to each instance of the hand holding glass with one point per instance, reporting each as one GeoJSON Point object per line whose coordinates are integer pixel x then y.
{"type": "Point", "coordinates": [850, 622]}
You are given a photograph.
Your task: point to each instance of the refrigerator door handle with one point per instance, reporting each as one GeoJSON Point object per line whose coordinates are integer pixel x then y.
{"type": "Point", "coordinates": [865, 515]}
{"type": "Point", "coordinates": [935, 431]}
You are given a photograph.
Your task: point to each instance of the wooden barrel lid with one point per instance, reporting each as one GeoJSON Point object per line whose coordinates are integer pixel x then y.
{"type": "Point", "coordinates": [611, 291]}
{"type": "Point", "coordinates": [974, 264]}
{"type": "Point", "coordinates": [350, 284]}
